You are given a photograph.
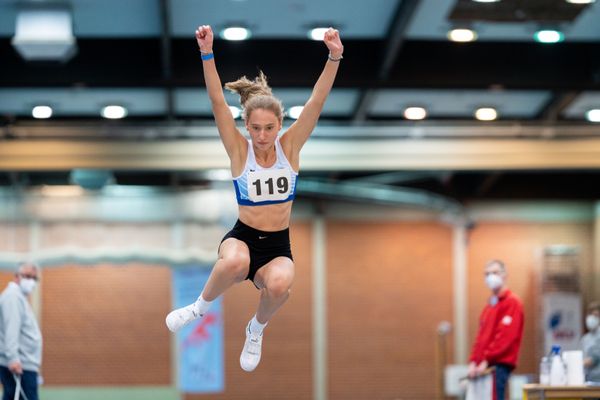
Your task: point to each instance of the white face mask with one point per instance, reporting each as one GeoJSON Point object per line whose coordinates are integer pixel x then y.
{"type": "Point", "coordinates": [493, 281]}
{"type": "Point", "coordinates": [27, 285]}
{"type": "Point", "coordinates": [592, 322]}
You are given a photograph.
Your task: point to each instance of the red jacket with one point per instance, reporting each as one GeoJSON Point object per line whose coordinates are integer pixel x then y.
{"type": "Point", "coordinates": [500, 331]}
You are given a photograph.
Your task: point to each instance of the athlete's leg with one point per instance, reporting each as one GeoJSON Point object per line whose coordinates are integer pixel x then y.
{"type": "Point", "coordinates": [274, 281]}
{"type": "Point", "coordinates": [231, 267]}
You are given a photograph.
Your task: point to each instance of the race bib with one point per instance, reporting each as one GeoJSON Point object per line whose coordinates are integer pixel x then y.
{"type": "Point", "coordinates": [269, 185]}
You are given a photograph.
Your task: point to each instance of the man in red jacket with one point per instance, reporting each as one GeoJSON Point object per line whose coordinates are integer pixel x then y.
{"type": "Point", "coordinates": [500, 330]}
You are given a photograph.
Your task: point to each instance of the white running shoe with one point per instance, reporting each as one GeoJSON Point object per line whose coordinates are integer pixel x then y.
{"type": "Point", "coordinates": [180, 317]}
{"type": "Point", "coordinates": [250, 356]}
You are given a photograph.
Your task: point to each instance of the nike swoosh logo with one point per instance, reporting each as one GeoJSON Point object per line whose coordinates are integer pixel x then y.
{"type": "Point", "coordinates": [262, 237]}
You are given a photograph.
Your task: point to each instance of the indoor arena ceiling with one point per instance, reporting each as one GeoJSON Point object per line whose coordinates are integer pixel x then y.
{"type": "Point", "coordinates": [142, 54]}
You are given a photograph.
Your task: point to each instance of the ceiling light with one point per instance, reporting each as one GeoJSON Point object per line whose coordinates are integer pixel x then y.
{"type": "Point", "coordinates": [548, 36]}
{"type": "Point", "coordinates": [580, 1]}
{"type": "Point", "coordinates": [415, 113]}
{"type": "Point", "coordinates": [462, 35]}
{"type": "Point", "coordinates": [218, 174]}
{"type": "Point", "coordinates": [62, 190]}
{"type": "Point", "coordinates": [317, 33]}
{"type": "Point", "coordinates": [593, 115]}
{"type": "Point", "coordinates": [114, 112]}
{"type": "Point", "coordinates": [486, 114]}
{"type": "Point", "coordinates": [44, 33]}
{"type": "Point", "coordinates": [235, 111]}
{"type": "Point", "coordinates": [235, 33]}
{"type": "Point", "coordinates": [41, 112]}
{"type": "Point", "coordinates": [294, 112]}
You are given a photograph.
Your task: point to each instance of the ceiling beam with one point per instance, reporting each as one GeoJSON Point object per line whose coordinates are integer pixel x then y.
{"type": "Point", "coordinates": [318, 155]}
{"type": "Point", "coordinates": [396, 36]}
{"type": "Point", "coordinates": [136, 62]}
{"type": "Point", "coordinates": [398, 177]}
{"type": "Point", "coordinates": [559, 102]}
{"type": "Point", "coordinates": [165, 41]}
{"type": "Point", "coordinates": [488, 182]}
{"type": "Point", "coordinates": [371, 132]}
{"type": "Point", "coordinates": [379, 194]}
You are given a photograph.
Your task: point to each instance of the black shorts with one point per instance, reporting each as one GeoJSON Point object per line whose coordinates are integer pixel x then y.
{"type": "Point", "coordinates": [264, 246]}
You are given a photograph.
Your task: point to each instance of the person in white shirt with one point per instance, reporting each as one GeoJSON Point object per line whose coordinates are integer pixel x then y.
{"type": "Point", "coordinates": [20, 336]}
{"type": "Point", "coordinates": [590, 343]}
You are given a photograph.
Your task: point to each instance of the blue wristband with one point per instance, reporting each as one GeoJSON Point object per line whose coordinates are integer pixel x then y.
{"type": "Point", "coordinates": [206, 57]}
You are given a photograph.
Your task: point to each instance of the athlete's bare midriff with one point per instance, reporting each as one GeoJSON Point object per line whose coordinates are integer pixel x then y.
{"type": "Point", "coordinates": [270, 218]}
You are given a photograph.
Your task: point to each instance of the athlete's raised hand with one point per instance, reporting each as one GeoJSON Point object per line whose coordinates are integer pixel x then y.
{"type": "Point", "coordinates": [333, 42]}
{"type": "Point", "coordinates": [204, 37]}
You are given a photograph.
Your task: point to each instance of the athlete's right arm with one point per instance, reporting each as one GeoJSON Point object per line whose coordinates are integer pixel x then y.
{"type": "Point", "coordinates": [231, 137]}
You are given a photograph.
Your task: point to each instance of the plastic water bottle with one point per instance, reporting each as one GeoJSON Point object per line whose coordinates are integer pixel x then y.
{"type": "Point", "coordinates": [545, 371]}
{"type": "Point", "coordinates": [558, 374]}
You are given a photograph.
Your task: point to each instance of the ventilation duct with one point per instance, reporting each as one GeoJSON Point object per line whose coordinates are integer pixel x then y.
{"type": "Point", "coordinates": [91, 179]}
{"type": "Point", "coordinates": [44, 34]}
{"type": "Point", "coordinates": [542, 11]}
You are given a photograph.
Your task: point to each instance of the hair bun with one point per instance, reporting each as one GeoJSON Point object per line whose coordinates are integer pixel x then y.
{"type": "Point", "coordinates": [247, 88]}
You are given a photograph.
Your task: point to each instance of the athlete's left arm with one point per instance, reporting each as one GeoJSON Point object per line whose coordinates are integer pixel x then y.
{"type": "Point", "coordinates": [299, 132]}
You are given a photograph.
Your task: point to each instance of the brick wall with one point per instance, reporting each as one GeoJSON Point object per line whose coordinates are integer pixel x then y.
{"type": "Point", "coordinates": [104, 325]}
{"type": "Point", "coordinates": [390, 284]}
{"type": "Point", "coordinates": [14, 237]}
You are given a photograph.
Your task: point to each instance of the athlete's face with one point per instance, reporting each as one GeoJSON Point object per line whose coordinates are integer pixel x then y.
{"type": "Point", "coordinates": [263, 127]}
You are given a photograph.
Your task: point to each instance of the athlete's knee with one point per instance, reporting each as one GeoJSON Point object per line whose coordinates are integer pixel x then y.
{"type": "Point", "coordinates": [237, 264]}
{"type": "Point", "coordinates": [280, 286]}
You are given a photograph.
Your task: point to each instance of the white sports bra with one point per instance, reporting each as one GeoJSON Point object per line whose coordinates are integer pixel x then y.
{"type": "Point", "coordinates": [257, 186]}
